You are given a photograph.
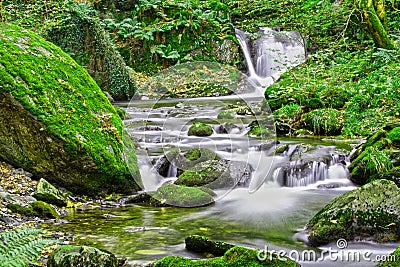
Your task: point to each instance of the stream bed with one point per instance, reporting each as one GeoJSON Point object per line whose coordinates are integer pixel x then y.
{"type": "Point", "coordinates": [283, 192]}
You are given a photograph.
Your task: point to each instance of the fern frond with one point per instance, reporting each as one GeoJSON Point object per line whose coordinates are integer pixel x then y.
{"type": "Point", "coordinates": [22, 247]}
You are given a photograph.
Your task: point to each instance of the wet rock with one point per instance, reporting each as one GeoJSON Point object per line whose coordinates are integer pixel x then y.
{"type": "Point", "coordinates": [48, 193]}
{"type": "Point", "coordinates": [200, 129]}
{"type": "Point", "coordinates": [282, 128]}
{"type": "Point", "coordinates": [216, 174]}
{"type": "Point", "coordinates": [281, 149]}
{"type": "Point", "coordinates": [267, 145]}
{"type": "Point", "coordinates": [202, 244]}
{"type": "Point", "coordinates": [81, 256]}
{"type": "Point", "coordinates": [206, 173]}
{"type": "Point", "coordinates": [44, 210]}
{"type": "Point", "coordinates": [370, 212]}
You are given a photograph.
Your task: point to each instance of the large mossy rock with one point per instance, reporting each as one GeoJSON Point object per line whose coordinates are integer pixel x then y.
{"type": "Point", "coordinates": [48, 193]}
{"type": "Point", "coordinates": [234, 257]}
{"type": "Point", "coordinates": [55, 121]}
{"type": "Point", "coordinates": [181, 196]}
{"type": "Point", "coordinates": [81, 256]}
{"type": "Point", "coordinates": [200, 129]}
{"type": "Point", "coordinates": [81, 35]}
{"type": "Point", "coordinates": [370, 212]}
{"type": "Point", "coordinates": [214, 173]}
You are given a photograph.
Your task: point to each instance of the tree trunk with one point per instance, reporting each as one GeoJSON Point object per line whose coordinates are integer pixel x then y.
{"type": "Point", "coordinates": [373, 13]}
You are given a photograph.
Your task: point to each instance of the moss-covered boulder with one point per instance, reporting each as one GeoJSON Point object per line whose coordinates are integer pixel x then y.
{"type": "Point", "coordinates": [55, 122]}
{"type": "Point", "coordinates": [200, 129]}
{"type": "Point", "coordinates": [225, 114]}
{"type": "Point", "coordinates": [205, 173]}
{"type": "Point", "coordinates": [82, 36]}
{"type": "Point", "coordinates": [182, 196]}
{"type": "Point", "coordinates": [81, 256]}
{"type": "Point", "coordinates": [48, 193]}
{"type": "Point", "coordinates": [370, 212]}
{"type": "Point", "coordinates": [44, 210]}
{"type": "Point", "coordinates": [202, 244]}
{"type": "Point", "coordinates": [234, 257]}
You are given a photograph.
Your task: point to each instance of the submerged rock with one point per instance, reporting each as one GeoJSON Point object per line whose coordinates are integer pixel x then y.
{"type": "Point", "coordinates": [55, 121]}
{"type": "Point", "coordinates": [370, 212]}
{"type": "Point", "coordinates": [81, 256]}
{"type": "Point", "coordinates": [48, 193]}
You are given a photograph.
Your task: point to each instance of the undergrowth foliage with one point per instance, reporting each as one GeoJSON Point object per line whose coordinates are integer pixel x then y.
{"type": "Point", "coordinates": [22, 247]}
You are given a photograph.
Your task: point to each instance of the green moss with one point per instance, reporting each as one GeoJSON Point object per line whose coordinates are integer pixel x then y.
{"type": "Point", "coordinates": [81, 256]}
{"type": "Point", "coordinates": [281, 149]}
{"type": "Point", "coordinates": [82, 36]}
{"type": "Point", "coordinates": [182, 196]}
{"type": "Point", "coordinates": [394, 135]}
{"type": "Point", "coordinates": [375, 138]}
{"type": "Point", "coordinates": [236, 256]}
{"type": "Point", "coordinates": [367, 212]}
{"type": "Point", "coordinates": [70, 106]}
{"type": "Point", "coordinates": [200, 129]}
{"type": "Point", "coordinates": [23, 210]}
{"type": "Point", "coordinates": [225, 114]}
{"type": "Point", "coordinates": [202, 244]}
{"type": "Point", "coordinates": [324, 121]}
{"type": "Point", "coordinates": [200, 154]}
{"type": "Point", "coordinates": [44, 210]}
{"type": "Point", "coordinates": [214, 172]}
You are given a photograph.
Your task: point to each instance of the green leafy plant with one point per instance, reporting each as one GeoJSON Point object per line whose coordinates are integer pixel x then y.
{"type": "Point", "coordinates": [22, 247]}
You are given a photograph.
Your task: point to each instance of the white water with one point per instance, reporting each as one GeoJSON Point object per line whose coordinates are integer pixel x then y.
{"type": "Point", "coordinates": [273, 53]}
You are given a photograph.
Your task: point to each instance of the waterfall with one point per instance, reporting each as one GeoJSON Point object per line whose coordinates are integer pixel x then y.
{"type": "Point", "coordinates": [274, 52]}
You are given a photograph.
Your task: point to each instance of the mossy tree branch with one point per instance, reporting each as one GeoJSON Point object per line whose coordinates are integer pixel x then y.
{"type": "Point", "coordinates": [373, 13]}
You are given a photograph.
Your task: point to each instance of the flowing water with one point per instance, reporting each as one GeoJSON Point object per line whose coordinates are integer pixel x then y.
{"type": "Point", "coordinates": [289, 189]}
{"type": "Point", "coordinates": [277, 195]}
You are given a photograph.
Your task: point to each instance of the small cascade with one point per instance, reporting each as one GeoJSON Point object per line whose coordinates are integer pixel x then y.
{"type": "Point", "coordinates": [301, 173]}
{"type": "Point", "coordinates": [271, 54]}
{"type": "Point", "coordinates": [172, 170]}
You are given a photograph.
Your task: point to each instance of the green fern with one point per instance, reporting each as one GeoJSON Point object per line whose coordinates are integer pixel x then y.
{"type": "Point", "coordinates": [22, 247]}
